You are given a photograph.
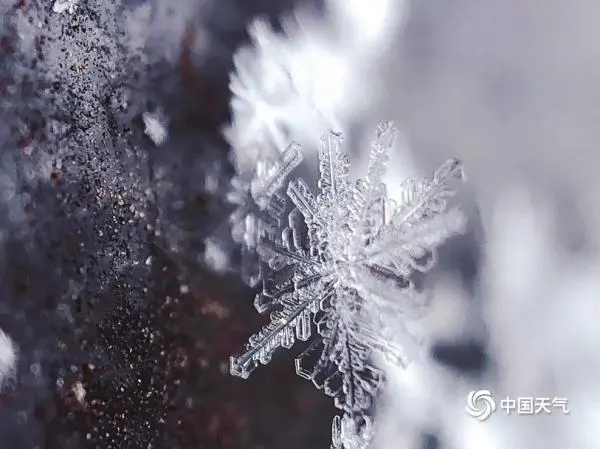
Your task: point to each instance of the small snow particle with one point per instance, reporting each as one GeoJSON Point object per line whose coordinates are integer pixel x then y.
{"type": "Point", "coordinates": [8, 356]}
{"type": "Point", "coordinates": [79, 392]}
{"type": "Point", "coordinates": [215, 257]}
{"type": "Point", "coordinates": [61, 6]}
{"type": "Point", "coordinates": [155, 127]}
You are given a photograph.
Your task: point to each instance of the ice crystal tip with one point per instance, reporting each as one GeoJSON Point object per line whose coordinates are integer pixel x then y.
{"type": "Point", "coordinates": [271, 175]}
{"type": "Point", "coordinates": [451, 168]}
{"type": "Point", "coordinates": [386, 129]}
{"type": "Point", "coordinates": [340, 274]}
{"type": "Point", "coordinates": [237, 369]}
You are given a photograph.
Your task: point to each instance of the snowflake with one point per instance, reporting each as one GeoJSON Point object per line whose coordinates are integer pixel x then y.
{"type": "Point", "coordinates": [259, 206]}
{"type": "Point", "coordinates": [269, 104]}
{"type": "Point", "coordinates": [261, 91]}
{"type": "Point", "coordinates": [345, 263]}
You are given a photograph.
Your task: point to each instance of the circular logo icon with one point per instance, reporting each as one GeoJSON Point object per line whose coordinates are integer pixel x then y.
{"type": "Point", "coordinates": [480, 404]}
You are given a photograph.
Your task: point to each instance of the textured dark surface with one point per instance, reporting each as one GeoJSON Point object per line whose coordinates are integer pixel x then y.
{"type": "Point", "coordinates": [124, 339]}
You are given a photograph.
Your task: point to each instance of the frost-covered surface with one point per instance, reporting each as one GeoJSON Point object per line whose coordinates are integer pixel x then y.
{"type": "Point", "coordinates": [344, 265]}
{"type": "Point", "coordinates": [74, 205]}
{"type": "Point", "coordinates": [102, 230]}
{"type": "Point", "coordinates": [95, 225]}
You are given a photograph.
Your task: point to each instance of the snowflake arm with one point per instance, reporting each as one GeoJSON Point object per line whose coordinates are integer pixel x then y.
{"type": "Point", "coordinates": [259, 206]}
{"type": "Point", "coordinates": [419, 223]}
{"type": "Point", "coordinates": [265, 186]}
{"type": "Point", "coordinates": [292, 321]}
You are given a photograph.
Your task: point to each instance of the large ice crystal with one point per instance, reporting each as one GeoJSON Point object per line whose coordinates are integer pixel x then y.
{"type": "Point", "coordinates": [345, 263]}
{"type": "Point", "coordinates": [258, 206]}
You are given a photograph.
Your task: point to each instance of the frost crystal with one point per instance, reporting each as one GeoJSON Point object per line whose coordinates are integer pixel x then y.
{"type": "Point", "coordinates": [61, 6]}
{"type": "Point", "coordinates": [274, 101]}
{"type": "Point", "coordinates": [345, 263]}
{"type": "Point", "coordinates": [259, 206]}
{"type": "Point", "coordinates": [261, 90]}
{"type": "Point", "coordinates": [155, 127]}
